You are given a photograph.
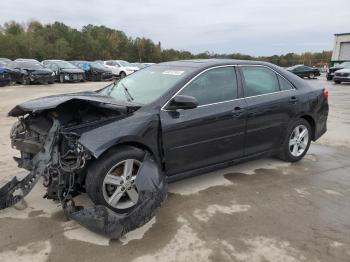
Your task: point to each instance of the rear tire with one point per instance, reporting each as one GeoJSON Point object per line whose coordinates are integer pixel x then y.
{"type": "Point", "coordinates": [109, 165]}
{"type": "Point", "coordinates": [294, 147]}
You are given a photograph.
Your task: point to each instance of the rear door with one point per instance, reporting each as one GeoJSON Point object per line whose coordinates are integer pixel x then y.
{"type": "Point", "coordinates": [265, 117]}
{"type": "Point", "coordinates": [211, 133]}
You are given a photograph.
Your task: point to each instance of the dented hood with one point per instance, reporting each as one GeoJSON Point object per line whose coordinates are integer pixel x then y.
{"type": "Point", "coordinates": [50, 102]}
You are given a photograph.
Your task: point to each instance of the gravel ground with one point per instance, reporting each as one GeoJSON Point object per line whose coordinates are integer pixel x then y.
{"type": "Point", "coordinates": [263, 210]}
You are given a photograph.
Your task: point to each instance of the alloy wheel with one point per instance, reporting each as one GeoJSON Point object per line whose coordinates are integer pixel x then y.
{"type": "Point", "coordinates": [298, 140]}
{"type": "Point", "coordinates": [119, 189]}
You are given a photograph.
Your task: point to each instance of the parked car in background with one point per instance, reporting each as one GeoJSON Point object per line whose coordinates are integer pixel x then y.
{"type": "Point", "coordinates": [342, 75]}
{"type": "Point", "coordinates": [5, 60]}
{"type": "Point", "coordinates": [65, 71]}
{"type": "Point", "coordinates": [139, 65]}
{"type": "Point", "coordinates": [94, 71]}
{"type": "Point", "coordinates": [304, 71]}
{"type": "Point", "coordinates": [120, 68]}
{"type": "Point", "coordinates": [31, 72]}
{"type": "Point", "coordinates": [27, 60]}
{"type": "Point", "coordinates": [332, 70]}
{"type": "Point", "coordinates": [5, 78]}
{"type": "Point", "coordinates": [14, 75]}
{"type": "Point", "coordinates": [148, 64]}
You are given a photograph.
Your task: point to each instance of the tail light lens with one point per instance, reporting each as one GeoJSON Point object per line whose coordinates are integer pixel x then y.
{"type": "Point", "coordinates": [325, 93]}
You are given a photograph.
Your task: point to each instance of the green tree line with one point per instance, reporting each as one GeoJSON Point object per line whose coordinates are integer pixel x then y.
{"type": "Point", "coordinates": [59, 41]}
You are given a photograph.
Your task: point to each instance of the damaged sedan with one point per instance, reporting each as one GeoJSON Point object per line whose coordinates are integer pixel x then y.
{"type": "Point", "coordinates": [121, 145]}
{"type": "Point", "coordinates": [64, 71]}
{"type": "Point", "coordinates": [29, 72]}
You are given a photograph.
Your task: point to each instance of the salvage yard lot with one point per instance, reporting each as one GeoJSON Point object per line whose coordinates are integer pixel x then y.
{"type": "Point", "coordinates": [263, 210]}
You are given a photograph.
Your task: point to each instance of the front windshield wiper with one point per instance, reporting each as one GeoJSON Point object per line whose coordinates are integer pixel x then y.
{"type": "Point", "coordinates": [127, 93]}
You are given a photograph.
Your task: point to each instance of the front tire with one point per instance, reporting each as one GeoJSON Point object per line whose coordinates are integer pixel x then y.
{"type": "Point", "coordinates": [311, 76]}
{"type": "Point", "coordinates": [110, 180]}
{"type": "Point", "coordinates": [25, 80]}
{"type": "Point", "coordinates": [61, 78]}
{"type": "Point", "coordinates": [122, 74]}
{"type": "Point", "coordinates": [297, 141]}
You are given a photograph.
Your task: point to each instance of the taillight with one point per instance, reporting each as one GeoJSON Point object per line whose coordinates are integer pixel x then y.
{"type": "Point", "coordinates": [325, 93]}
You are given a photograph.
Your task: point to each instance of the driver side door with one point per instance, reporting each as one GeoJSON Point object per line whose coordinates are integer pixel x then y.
{"type": "Point", "coordinates": [211, 133]}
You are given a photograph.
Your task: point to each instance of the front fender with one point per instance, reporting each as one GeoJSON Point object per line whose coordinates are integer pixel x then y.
{"type": "Point", "coordinates": [141, 128]}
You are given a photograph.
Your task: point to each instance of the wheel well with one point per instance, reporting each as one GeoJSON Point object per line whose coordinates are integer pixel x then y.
{"type": "Point", "coordinates": [134, 144]}
{"type": "Point", "coordinates": [312, 124]}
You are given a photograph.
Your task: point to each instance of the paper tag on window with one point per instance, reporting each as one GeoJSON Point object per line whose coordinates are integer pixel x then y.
{"type": "Point", "coordinates": [173, 72]}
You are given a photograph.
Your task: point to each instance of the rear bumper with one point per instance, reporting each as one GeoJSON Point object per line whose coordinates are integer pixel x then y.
{"type": "Point", "coordinates": [321, 121]}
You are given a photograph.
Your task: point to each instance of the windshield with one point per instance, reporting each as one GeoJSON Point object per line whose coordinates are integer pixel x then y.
{"type": "Point", "coordinates": [65, 65]}
{"type": "Point", "coordinates": [147, 85]}
{"type": "Point", "coordinates": [124, 63]}
{"type": "Point", "coordinates": [28, 65]}
{"type": "Point", "coordinates": [345, 64]}
{"type": "Point", "coordinates": [97, 65]}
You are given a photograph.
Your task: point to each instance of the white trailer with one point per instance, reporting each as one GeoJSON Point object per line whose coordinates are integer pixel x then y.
{"type": "Point", "coordinates": [341, 50]}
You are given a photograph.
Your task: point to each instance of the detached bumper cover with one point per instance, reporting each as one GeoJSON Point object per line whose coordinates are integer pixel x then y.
{"type": "Point", "coordinates": [152, 188]}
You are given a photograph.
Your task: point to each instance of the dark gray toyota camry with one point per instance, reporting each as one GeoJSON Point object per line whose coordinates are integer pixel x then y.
{"type": "Point", "coordinates": [123, 144]}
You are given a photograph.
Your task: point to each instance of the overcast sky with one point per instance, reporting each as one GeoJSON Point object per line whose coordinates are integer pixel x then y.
{"type": "Point", "coordinates": [255, 27]}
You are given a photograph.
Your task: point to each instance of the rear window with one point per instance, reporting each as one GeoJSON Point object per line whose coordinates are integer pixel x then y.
{"type": "Point", "coordinates": [259, 80]}
{"type": "Point", "coordinates": [285, 84]}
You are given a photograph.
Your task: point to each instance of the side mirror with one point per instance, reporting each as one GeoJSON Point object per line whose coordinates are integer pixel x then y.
{"type": "Point", "coordinates": [182, 102]}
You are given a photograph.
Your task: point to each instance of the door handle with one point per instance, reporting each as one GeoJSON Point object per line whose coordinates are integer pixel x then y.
{"type": "Point", "coordinates": [238, 111]}
{"type": "Point", "coordinates": [293, 100]}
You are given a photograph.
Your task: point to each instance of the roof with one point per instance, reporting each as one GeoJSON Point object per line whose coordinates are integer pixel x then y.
{"type": "Point", "coordinates": [53, 60]}
{"type": "Point", "coordinates": [202, 63]}
{"type": "Point", "coordinates": [342, 34]}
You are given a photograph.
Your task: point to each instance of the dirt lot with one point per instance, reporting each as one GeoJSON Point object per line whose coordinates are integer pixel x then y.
{"type": "Point", "coordinates": [264, 210]}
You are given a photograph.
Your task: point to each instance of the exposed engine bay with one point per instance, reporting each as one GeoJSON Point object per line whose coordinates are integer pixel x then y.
{"type": "Point", "coordinates": [48, 141]}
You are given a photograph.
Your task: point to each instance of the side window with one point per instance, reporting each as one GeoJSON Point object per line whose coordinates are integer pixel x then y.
{"type": "Point", "coordinates": [54, 67]}
{"type": "Point", "coordinates": [110, 63]}
{"type": "Point", "coordinates": [215, 85]}
{"type": "Point", "coordinates": [259, 80]}
{"type": "Point", "coordinates": [285, 84]}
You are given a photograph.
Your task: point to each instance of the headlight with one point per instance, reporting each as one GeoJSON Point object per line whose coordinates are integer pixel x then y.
{"type": "Point", "coordinates": [53, 74]}
{"type": "Point", "coordinates": [66, 77]}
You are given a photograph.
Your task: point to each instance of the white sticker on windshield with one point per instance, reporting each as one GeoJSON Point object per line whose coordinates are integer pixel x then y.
{"type": "Point", "coordinates": [173, 72]}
